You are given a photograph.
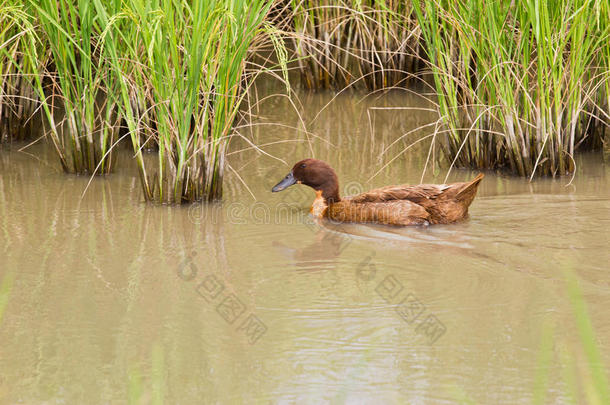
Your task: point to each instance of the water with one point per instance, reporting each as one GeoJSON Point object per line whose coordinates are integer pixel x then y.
{"type": "Point", "coordinates": [249, 301]}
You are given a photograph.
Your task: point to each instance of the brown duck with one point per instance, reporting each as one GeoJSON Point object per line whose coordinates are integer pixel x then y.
{"type": "Point", "coordinates": [421, 204]}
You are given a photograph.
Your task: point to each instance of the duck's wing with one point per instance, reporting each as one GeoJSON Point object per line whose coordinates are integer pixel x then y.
{"type": "Point", "coordinates": [416, 193]}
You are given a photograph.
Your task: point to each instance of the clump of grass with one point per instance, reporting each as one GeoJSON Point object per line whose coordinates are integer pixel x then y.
{"type": "Point", "coordinates": [388, 43]}
{"type": "Point", "coordinates": [339, 43]}
{"type": "Point", "coordinates": [17, 99]}
{"type": "Point", "coordinates": [323, 34]}
{"type": "Point", "coordinates": [519, 83]}
{"type": "Point", "coordinates": [187, 61]}
{"type": "Point", "coordinates": [85, 130]}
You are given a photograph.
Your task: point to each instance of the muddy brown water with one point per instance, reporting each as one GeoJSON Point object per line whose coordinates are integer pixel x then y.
{"type": "Point", "coordinates": [112, 300]}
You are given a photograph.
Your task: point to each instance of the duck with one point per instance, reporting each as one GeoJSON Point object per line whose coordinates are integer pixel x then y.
{"type": "Point", "coordinates": [401, 205]}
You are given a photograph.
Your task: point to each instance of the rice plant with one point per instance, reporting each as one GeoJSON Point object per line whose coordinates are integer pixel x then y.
{"type": "Point", "coordinates": [323, 35]}
{"type": "Point", "coordinates": [82, 119]}
{"type": "Point", "coordinates": [388, 43]}
{"type": "Point", "coordinates": [518, 82]}
{"type": "Point", "coordinates": [186, 60]}
{"type": "Point", "coordinates": [340, 43]}
{"type": "Point", "coordinates": [17, 99]}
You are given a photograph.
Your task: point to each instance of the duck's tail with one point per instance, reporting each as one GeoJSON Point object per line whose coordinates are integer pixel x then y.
{"type": "Point", "coordinates": [469, 190]}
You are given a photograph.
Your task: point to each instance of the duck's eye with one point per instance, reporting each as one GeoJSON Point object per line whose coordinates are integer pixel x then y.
{"type": "Point", "coordinates": [303, 166]}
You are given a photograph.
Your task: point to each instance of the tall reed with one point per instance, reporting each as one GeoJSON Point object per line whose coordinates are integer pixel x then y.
{"type": "Point", "coordinates": [186, 60]}
{"type": "Point", "coordinates": [82, 119]}
{"type": "Point", "coordinates": [388, 43]}
{"type": "Point", "coordinates": [17, 98]}
{"type": "Point", "coordinates": [518, 82]}
{"type": "Point", "coordinates": [374, 42]}
{"type": "Point", "coordinates": [323, 34]}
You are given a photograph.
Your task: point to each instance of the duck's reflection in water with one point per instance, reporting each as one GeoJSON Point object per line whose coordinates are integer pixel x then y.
{"type": "Point", "coordinates": [321, 254]}
{"type": "Point", "coordinates": [324, 250]}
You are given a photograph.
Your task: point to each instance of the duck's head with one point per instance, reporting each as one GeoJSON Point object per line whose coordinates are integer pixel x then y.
{"type": "Point", "coordinates": [315, 174]}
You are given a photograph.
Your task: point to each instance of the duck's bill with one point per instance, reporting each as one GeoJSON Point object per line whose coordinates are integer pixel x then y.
{"type": "Point", "coordinates": [286, 182]}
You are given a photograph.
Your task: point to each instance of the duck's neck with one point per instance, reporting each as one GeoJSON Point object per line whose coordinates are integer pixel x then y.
{"type": "Point", "coordinates": [330, 192]}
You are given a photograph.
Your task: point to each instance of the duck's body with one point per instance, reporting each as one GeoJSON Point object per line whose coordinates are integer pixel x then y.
{"type": "Point", "coordinates": [391, 205]}
{"type": "Point", "coordinates": [403, 205]}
